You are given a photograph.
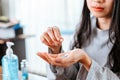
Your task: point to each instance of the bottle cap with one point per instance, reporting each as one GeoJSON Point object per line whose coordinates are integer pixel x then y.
{"type": "Point", "coordinates": [9, 50]}
{"type": "Point", "coordinates": [23, 63]}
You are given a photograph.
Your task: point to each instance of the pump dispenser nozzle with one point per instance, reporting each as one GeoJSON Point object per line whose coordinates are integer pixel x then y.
{"type": "Point", "coordinates": [9, 50]}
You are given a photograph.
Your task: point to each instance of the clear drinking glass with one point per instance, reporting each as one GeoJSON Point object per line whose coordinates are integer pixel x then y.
{"type": "Point", "coordinates": [5, 77]}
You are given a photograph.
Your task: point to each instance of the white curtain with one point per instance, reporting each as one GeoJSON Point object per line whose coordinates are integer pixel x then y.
{"type": "Point", "coordinates": [36, 16]}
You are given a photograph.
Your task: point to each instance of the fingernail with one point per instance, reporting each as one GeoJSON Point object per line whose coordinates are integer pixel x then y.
{"type": "Point", "coordinates": [61, 40]}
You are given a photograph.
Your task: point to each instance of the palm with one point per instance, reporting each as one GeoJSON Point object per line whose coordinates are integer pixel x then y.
{"type": "Point", "coordinates": [63, 59]}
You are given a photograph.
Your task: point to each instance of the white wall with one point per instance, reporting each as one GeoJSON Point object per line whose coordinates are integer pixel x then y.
{"type": "Point", "coordinates": [36, 16]}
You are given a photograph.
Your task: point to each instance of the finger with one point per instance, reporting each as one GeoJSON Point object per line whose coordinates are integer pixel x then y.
{"type": "Point", "coordinates": [53, 55]}
{"type": "Point", "coordinates": [47, 57]}
{"type": "Point", "coordinates": [61, 39]}
{"type": "Point", "coordinates": [43, 40]}
{"type": "Point", "coordinates": [47, 37]}
{"type": "Point", "coordinates": [51, 34]}
{"type": "Point", "coordinates": [50, 41]}
{"type": "Point", "coordinates": [52, 37]}
{"type": "Point", "coordinates": [61, 55]}
{"type": "Point", "coordinates": [52, 60]}
{"type": "Point", "coordinates": [56, 33]}
{"type": "Point", "coordinates": [42, 55]}
{"type": "Point", "coordinates": [59, 58]}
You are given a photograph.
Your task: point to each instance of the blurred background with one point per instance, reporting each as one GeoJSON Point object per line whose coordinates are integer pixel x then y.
{"type": "Point", "coordinates": [28, 19]}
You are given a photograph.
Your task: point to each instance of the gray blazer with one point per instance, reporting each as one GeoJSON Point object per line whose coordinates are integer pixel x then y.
{"type": "Point", "coordinates": [96, 72]}
{"type": "Point", "coordinates": [78, 72]}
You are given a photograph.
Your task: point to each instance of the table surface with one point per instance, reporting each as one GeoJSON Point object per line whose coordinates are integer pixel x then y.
{"type": "Point", "coordinates": [31, 76]}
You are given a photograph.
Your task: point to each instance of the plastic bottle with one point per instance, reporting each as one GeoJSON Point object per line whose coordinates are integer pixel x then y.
{"type": "Point", "coordinates": [10, 63]}
{"type": "Point", "coordinates": [24, 69]}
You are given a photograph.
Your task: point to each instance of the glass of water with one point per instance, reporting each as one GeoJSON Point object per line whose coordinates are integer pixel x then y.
{"type": "Point", "coordinates": [4, 77]}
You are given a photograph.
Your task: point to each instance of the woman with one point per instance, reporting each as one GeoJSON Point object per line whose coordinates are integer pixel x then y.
{"type": "Point", "coordinates": [95, 53]}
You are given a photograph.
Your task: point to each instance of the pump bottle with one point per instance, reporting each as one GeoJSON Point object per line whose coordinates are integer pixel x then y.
{"type": "Point", "coordinates": [10, 63]}
{"type": "Point", "coordinates": [24, 69]}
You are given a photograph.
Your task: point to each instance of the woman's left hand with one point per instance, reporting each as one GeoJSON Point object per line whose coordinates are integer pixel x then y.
{"type": "Point", "coordinates": [68, 58]}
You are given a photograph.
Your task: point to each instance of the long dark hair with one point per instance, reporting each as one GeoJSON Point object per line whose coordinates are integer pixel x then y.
{"type": "Point", "coordinates": [83, 34]}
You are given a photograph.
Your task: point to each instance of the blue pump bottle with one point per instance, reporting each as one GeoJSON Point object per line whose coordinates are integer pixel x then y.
{"type": "Point", "coordinates": [10, 63]}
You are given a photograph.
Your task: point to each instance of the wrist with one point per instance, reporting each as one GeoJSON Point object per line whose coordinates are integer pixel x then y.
{"type": "Point", "coordinates": [56, 50]}
{"type": "Point", "coordinates": [86, 61]}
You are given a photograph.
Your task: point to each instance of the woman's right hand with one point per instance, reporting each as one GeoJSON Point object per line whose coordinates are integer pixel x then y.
{"type": "Point", "coordinates": [52, 38]}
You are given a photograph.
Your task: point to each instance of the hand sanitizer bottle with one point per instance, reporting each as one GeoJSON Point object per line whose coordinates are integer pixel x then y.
{"type": "Point", "coordinates": [10, 64]}
{"type": "Point", "coordinates": [24, 69]}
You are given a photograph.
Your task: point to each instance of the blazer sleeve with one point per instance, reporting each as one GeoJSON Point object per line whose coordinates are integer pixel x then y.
{"type": "Point", "coordinates": [97, 72]}
{"type": "Point", "coordinates": [69, 73]}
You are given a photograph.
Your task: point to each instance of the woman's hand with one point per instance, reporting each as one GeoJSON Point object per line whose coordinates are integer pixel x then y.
{"type": "Point", "coordinates": [68, 58]}
{"type": "Point", "coordinates": [52, 38]}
